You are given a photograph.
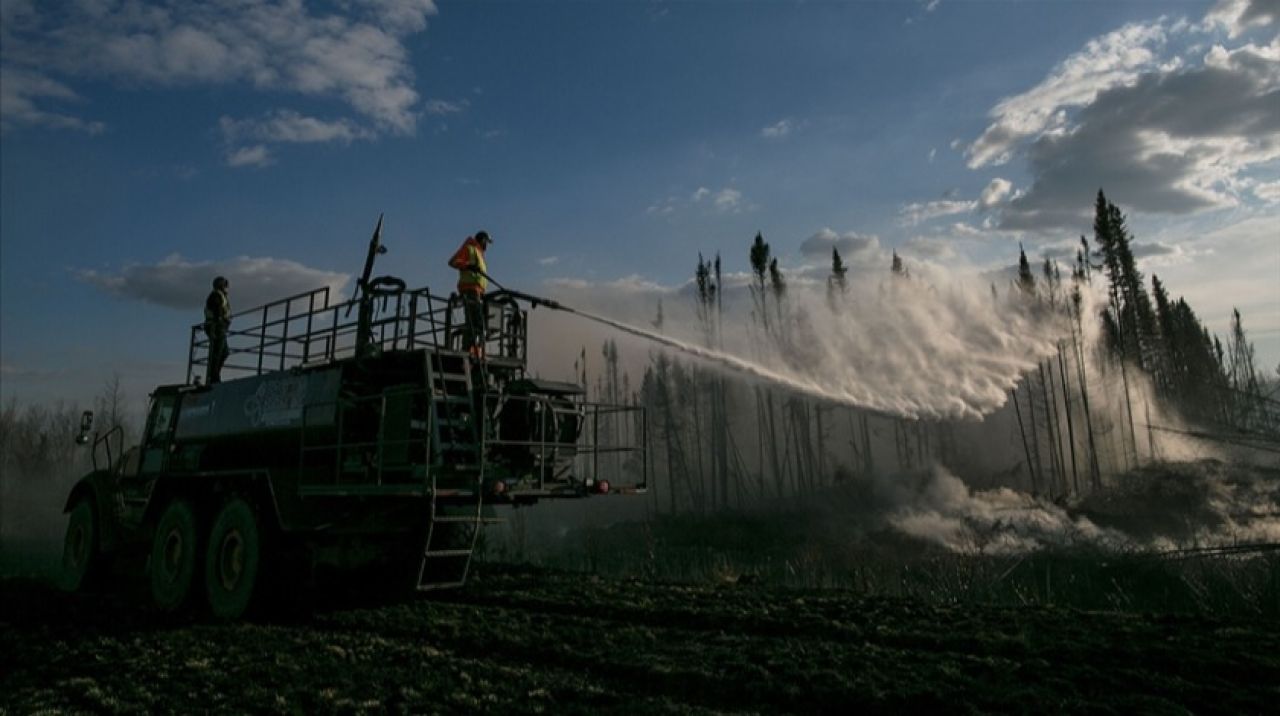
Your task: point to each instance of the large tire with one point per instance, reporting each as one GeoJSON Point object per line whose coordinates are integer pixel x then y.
{"type": "Point", "coordinates": [82, 557]}
{"type": "Point", "coordinates": [232, 558]}
{"type": "Point", "coordinates": [174, 557]}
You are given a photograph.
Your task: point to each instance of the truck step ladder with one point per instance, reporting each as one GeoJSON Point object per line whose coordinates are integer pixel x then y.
{"type": "Point", "coordinates": [456, 469]}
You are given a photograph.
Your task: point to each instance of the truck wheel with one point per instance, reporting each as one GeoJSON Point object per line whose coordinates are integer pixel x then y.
{"type": "Point", "coordinates": [81, 556]}
{"type": "Point", "coordinates": [173, 556]}
{"type": "Point", "coordinates": [231, 561]}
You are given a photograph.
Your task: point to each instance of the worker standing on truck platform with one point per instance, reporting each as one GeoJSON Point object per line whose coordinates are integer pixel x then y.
{"type": "Point", "coordinates": [217, 321]}
{"type": "Point", "coordinates": [472, 273]}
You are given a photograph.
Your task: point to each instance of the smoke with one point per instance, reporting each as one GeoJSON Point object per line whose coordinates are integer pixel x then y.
{"type": "Point", "coordinates": [936, 506]}
{"type": "Point", "coordinates": [1204, 504]}
{"type": "Point", "coordinates": [32, 523]}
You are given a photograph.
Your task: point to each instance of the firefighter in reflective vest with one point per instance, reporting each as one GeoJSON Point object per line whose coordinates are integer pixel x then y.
{"type": "Point", "coordinates": [472, 272]}
{"type": "Point", "coordinates": [217, 320]}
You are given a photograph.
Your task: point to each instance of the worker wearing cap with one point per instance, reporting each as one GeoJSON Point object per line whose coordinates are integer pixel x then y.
{"type": "Point", "coordinates": [217, 320]}
{"type": "Point", "coordinates": [472, 281]}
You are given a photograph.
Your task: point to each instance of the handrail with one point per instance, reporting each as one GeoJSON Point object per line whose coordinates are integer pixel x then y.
{"type": "Point", "coordinates": [306, 329]}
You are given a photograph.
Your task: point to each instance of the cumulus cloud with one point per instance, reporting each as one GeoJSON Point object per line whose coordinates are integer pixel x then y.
{"type": "Point", "coordinates": [852, 245]}
{"type": "Point", "coordinates": [1115, 59]}
{"type": "Point", "coordinates": [179, 283]}
{"type": "Point", "coordinates": [359, 58]}
{"type": "Point", "coordinates": [1175, 143]}
{"type": "Point", "coordinates": [1170, 134]}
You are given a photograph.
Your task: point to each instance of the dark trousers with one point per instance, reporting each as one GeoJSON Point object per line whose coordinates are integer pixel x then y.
{"type": "Point", "coordinates": [473, 329]}
{"type": "Point", "coordinates": [218, 351]}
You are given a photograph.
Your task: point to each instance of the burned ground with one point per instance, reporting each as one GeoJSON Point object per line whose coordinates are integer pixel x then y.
{"type": "Point", "coordinates": [537, 640]}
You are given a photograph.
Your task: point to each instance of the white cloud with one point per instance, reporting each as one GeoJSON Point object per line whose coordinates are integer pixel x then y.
{"type": "Point", "coordinates": [728, 199]}
{"type": "Point", "coordinates": [918, 212]}
{"type": "Point", "coordinates": [440, 107]}
{"type": "Point", "coordinates": [179, 283]}
{"type": "Point", "coordinates": [549, 261]}
{"type": "Point", "coordinates": [778, 130]}
{"type": "Point", "coordinates": [1162, 134]}
{"type": "Point", "coordinates": [633, 284]}
{"type": "Point", "coordinates": [1238, 16]}
{"type": "Point", "coordinates": [359, 58]}
{"type": "Point", "coordinates": [1115, 59]}
{"type": "Point", "coordinates": [852, 245]}
{"type": "Point", "coordinates": [994, 193]}
{"type": "Point", "coordinates": [21, 90]}
{"type": "Point", "coordinates": [289, 126]}
{"type": "Point", "coordinates": [254, 156]}
{"type": "Point", "coordinates": [1268, 191]}
{"type": "Point", "coordinates": [665, 207]}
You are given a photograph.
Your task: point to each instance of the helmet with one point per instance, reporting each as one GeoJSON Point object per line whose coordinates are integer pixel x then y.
{"type": "Point", "coordinates": [221, 282]}
{"type": "Point", "coordinates": [483, 236]}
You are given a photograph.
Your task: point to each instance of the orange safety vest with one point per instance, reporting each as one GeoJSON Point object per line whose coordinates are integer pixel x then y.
{"type": "Point", "coordinates": [471, 253]}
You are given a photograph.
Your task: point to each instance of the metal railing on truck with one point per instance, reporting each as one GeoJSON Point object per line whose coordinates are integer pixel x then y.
{"type": "Point", "coordinates": [609, 444]}
{"type": "Point", "coordinates": [305, 330]}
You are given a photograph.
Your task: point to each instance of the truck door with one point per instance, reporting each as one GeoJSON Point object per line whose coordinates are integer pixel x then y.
{"type": "Point", "coordinates": [159, 434]}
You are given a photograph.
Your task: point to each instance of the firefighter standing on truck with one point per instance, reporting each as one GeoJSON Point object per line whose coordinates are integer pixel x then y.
{"type": "Point", "coordinates": [472, 280]}
{"type": "Point", "coordinates": [217, 319]}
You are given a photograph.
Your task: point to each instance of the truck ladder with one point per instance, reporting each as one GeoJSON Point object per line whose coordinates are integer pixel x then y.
{"type": "Point", "coordinates": [456, 472]}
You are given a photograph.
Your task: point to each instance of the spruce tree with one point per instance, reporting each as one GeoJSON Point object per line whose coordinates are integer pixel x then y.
{"type": "Point", "coordinates": [1026, 279]}
{"type": "Point", "coordinates": [837, 284]}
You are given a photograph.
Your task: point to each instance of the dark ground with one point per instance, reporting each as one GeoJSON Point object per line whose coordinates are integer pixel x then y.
{"type": "Point", "coordinates": [526, 640]}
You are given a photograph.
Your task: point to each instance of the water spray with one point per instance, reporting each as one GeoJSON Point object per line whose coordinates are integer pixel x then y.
{"type": "Point", "coordinates": [732, 362]}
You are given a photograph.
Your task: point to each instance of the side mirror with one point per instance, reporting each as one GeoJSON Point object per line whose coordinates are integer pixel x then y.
{"type": "Point", "coordinates": [86, 423]}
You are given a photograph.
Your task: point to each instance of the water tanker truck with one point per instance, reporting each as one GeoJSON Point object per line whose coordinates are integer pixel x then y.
{"type": "Point", "coordinates": [341, 441]}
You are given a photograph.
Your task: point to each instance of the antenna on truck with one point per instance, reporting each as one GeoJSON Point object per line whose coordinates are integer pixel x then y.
{"type": "Point", "coordinates": [363, 294]}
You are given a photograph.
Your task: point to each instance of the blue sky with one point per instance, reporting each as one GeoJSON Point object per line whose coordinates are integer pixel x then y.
{"type": "Point", "coordinates": [146, 147]}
